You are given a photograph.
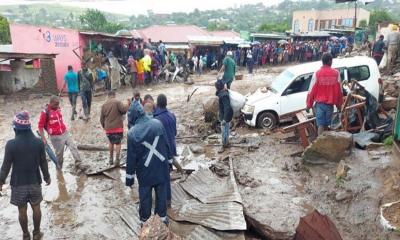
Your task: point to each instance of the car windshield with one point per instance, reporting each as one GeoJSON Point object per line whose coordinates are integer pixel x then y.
{"type": "Point", "coordinates": [280, 83]}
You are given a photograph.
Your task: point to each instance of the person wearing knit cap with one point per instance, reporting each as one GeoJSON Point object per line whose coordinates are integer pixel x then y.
{"type": "Point", "coordinates": [25, 175]}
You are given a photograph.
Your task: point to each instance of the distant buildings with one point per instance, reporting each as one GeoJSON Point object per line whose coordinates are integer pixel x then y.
{"type": "Point", "coordinates": [314, 20]}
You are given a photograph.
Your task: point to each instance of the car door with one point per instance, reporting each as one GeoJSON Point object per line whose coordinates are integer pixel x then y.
{"type": "Point", "coordinates": [294, 97]}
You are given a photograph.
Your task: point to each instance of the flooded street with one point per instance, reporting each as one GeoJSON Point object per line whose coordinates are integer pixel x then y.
{"type": "Point", "coordinates": [276, 188]}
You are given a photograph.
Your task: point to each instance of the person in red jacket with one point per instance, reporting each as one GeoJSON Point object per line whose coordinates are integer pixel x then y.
{"type": "Point", "coordinates": [52, 121]}
{"type": "Point", "coordinates": [326, 92]}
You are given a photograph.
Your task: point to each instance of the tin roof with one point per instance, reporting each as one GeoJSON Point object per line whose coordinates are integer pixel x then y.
{"type": "Point", "coordinates": [172, 33]}
{"type": "Point", "coordinates": [219, 216]}
{"type": "Point", "coordinates": [107, 35]}
{"type": "Point", "coordinates": [209, 188]}
{"type": "Point", "coordinates": [229, 34]}
{"type": "Point", "coordinates": [19, 55]}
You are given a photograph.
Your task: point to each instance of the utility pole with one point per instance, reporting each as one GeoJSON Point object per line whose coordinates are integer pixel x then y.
{"type": "Point", "coordinates": [355, 15]}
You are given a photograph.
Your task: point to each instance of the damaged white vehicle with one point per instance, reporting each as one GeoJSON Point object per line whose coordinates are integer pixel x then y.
{"type": "Point", "coordinates": [267, 107]}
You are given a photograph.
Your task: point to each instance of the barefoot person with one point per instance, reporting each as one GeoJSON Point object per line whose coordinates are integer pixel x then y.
{"type": "Point", "coordinates": [111, 119]}
{"type": "Point", "coordinates": [25, 176]}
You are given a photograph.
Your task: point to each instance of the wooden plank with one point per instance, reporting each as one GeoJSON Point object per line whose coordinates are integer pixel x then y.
{"type": "Point", "coordinates": [101, 169]}
{"type": "Point", "coordinates": [296, 125]}
{"type": "Point", "coordinates": [301, 117]}
{"type": "Point", "coordinates": [87, 147]}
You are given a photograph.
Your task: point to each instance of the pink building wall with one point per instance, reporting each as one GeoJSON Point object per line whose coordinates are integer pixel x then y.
{"type": "Point", "coordinates": [41, 39]}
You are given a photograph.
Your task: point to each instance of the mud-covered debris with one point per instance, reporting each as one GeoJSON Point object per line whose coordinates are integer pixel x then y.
{"type": "Point", "coordinates": [197, 149]}
{"type": "Point", "coordinates": [392, 215]}
{"type": "Point", "coordinates": [342, 169]}
{"type": "Point", "coordinates": [210, 109]}
{"type": "Point", "coordinates": [155, 229]}
{"type": "Point", "coordinates": [343, 195]}
{"type": "Point", "coordinates": [220, 169]}
{"type": "Point", "coordinates": [389, 103]}
{"type": "Point", "coordinates": [245, 180]}
{"type": "Point", "coordinates": [330, 146]}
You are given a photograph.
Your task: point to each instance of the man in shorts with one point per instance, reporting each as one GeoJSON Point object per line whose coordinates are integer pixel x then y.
{"type": "Point", "coordinates": [326, 92]}
{"type": "Point", "coordinates": [25, 176]}
{"type": "Point", "coordinates": [111, 119]}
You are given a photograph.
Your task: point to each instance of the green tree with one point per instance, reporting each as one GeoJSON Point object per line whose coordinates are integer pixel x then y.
{"type": "Point", "coordinates": [274, 27]}
{"type": "Point", "coordinates": [5, 36]}
{"type": "Point", "coordinates": [94, 20]}
{"type": "Point", "coordinates": [362, 23]}
{"type": "Point", "coordinates": [378, 16]}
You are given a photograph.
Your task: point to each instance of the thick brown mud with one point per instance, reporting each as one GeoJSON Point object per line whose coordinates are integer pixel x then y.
{"type": "Point", "coordinates": [273, 184]}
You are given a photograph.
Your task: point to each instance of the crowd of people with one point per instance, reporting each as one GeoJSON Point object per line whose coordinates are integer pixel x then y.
{"type": "Point", "coordinates": [150, 62]}
{"type": "Point", "coordinates": [283, 52]}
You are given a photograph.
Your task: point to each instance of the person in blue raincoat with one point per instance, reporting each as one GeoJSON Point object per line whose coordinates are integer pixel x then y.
{"type": "Point", "coordinates": [148, 158]}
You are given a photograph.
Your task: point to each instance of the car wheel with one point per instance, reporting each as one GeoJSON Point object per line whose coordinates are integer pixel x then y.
{"type": "Point", "coordinates": [267, 120]}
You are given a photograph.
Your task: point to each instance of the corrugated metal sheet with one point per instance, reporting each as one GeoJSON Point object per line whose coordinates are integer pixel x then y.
{"type": "Point", "coordinates": [130, 216]}
{"type": "Point", "coordinates": [209, 188]}
{"type": "Point", "coordinates": [189, 231]}
{"type": "Point", "coordinates": [200, 233]}
{"type": "Point", "coordinates": [219, 216]}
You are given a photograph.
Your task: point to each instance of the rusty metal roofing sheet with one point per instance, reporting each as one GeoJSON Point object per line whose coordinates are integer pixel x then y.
{"type": "Point", "coordinates": [219, 216]}
{"type": "Point", "coordinates": [209, 188]}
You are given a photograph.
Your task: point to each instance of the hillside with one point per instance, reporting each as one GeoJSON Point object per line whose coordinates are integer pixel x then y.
{"type": "Point", "coordinates": [55, 15]}
{"type": "Point", "coordinates": [246, 17]}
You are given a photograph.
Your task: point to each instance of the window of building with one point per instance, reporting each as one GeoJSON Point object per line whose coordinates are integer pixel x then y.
{"type": "Point", "coordinates": [310, 25]}
{"type": "Point", "coordinates": [296, 26]}
{"type": "Point", "coordinates": [347, 22]}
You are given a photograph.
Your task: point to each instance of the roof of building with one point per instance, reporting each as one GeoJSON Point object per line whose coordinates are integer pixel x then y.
{"type": "Point", "coordinates": [107, 35]}
{"type": "Point", "coordinates": [317, 34]}
{"type": "Point", "coordinates": [172, 33]}
{"type": "Point", "coordinates": [229, 33]}
{"type": "Point", "coordinates": [19, 55]}
{"type": "Point", "coordinates": [269, 35]}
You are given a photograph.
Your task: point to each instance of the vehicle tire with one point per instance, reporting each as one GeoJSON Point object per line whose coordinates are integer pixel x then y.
{"type": "Point", "coordinates": [267, 120]}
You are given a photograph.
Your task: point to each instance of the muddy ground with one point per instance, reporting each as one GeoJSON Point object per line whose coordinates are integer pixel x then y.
{"type": "Point", "coordinates": [276, 187]}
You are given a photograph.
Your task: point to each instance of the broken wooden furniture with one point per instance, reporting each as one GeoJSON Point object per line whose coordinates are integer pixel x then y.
{"type": "Point", "coordinates": [303, 126]}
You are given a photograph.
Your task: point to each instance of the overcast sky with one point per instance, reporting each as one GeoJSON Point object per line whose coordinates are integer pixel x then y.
{"type": "Point", "coordinates": [130, 7]}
